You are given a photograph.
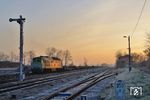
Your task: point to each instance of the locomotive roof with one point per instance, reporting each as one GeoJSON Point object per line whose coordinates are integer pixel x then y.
{"type": "Point", "coordinates": [54, 58]}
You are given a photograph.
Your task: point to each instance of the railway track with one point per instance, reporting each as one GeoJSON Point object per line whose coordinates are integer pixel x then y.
{"type": "Point", "coordinates": [34, 82]}
{"type": "Point", "coordinates": [74, 90]}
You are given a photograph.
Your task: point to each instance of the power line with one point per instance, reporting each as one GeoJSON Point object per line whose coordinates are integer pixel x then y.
{"type": "Point", "coordinates": [139, 17]}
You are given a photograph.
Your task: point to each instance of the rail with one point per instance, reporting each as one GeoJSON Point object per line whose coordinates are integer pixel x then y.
{"type": "Point", "coordinates": [79, 86]}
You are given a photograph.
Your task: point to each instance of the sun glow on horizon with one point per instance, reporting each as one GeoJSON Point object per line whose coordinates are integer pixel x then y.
{"type": "Point", "coordinates": [90, 29]}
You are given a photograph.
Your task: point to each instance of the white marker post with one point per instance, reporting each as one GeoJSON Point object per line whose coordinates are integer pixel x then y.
{"type": "Point", "coordinates": [120, 90]}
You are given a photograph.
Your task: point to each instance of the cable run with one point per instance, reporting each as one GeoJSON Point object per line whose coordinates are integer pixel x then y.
{"type": "Point", "coordinates": [139, 18]}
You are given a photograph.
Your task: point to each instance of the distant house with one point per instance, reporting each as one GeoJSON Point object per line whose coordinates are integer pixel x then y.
{"type": "Point", "coordinates": [122, 61]}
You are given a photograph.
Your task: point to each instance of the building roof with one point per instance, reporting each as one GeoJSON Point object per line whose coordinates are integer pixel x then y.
{"type": "Point", "coordinates": [124, 57]}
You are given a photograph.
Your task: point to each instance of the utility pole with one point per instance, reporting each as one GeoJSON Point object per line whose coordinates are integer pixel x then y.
{"type": "Point", "coordinates": [20, 21]}
{"type": "Point", "coordinates": [129, 53]}
{"type": "Point", "coordinates": [129, 50]}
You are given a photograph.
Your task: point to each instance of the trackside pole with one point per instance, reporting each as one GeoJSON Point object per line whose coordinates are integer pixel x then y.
{"type": "Point", "coordinates": [20, 21]}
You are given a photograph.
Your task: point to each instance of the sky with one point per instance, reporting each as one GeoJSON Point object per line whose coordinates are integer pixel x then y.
{"type": "Point", "coordinates": [91, 29]}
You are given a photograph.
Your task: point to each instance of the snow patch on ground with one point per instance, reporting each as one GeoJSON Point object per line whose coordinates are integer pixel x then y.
{"type": "Point", "coordinates": [135, 78]}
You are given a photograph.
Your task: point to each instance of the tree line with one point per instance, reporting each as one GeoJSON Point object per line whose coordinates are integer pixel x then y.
{"type": "Point", "coordinates": [64, 55]}
{"type": "Point", "coordinates": [137, 59]}
{"type": "Point", "coordinates": [13, 57]}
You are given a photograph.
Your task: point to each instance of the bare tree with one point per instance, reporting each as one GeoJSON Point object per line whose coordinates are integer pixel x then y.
{"type": "Point", "coordinates": [138, 57]}
{"type": "Point", "coordinates": [4, 57]}
{"type": "Point", "coordinates": [72, 64]}
{"type": "Point", "coordinates": [51, 52]}
{"type": "Point", "coordinates": [61, 55]}
{"type": "Point", "coordinates": [13, 57]}
{"type": "Point", "coordinates": [147, 50]}
{"type": "Point", "coordinates": [17, 58]}
{"type": "Point", "coordinates": [31, 56]}
{"type": "Point", "coordinates": [120, 53]}
{"type": "Point", "coordinates": [67, 57]}
{"type": "Point", "coordinates": [25, 57]}
{"type": "Point", "coordinates": [148, 40]}
{"type": "Point", "coordinates": [85, 62]}
{"type": "Point", "coordinates": [28, 56]}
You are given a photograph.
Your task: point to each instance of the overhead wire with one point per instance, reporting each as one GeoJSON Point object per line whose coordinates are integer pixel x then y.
{"type": "Point", "coordinates": [139, 18]}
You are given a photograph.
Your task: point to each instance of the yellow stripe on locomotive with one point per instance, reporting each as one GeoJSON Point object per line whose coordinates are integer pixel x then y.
{"type": "Point", "coordinates": [45, 63]}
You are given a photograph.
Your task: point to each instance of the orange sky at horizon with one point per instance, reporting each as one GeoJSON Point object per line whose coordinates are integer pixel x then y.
{"type": "Point", "coordinates": [91, 29]}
